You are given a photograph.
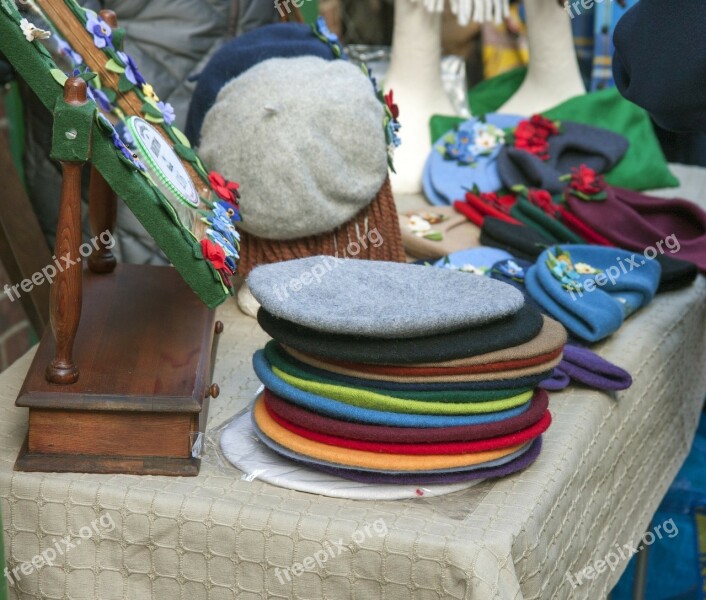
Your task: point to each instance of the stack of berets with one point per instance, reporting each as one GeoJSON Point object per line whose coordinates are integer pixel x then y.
{"type": "Point", "coordinates": [397, 373]}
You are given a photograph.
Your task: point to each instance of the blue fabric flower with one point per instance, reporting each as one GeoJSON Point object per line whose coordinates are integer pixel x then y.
{"type": "Point", "coordinates": [322, 31]}
{"type": "Point", "coordinates": [132, 73]}
{"type": "Point", "coordinates": [458, 146]}
{"type": "Point", "coordinates": [100, 30]}
{"type": "Point", "coordinates": [99, 97]}
{"type": "Point", "coordinates": [167, 110]}
{"type": "Point", "coordinates": [66, 49]}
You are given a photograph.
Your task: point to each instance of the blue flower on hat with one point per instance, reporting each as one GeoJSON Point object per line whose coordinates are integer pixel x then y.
{"type": "Point", "coordinates": [562, 269]}
{"type": "Point", "coordinates": [322, 32]}
{"type": "Point", "coordinates": [464, 147]}
{"type": "Point", "coordinates": [100, 30]}
{"type": "Point", "coordinates": [511, 269]}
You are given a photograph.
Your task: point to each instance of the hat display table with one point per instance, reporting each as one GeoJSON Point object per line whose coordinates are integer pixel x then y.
{"type": "Point", "coordinates": [607, 461]}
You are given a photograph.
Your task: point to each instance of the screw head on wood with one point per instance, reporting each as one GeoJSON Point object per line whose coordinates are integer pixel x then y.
{"type": "Point", "coordinates": [71, 134]}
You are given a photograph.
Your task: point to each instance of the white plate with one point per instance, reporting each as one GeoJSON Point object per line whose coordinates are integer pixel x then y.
{"type": "Point", "coordinates": [242, 448]}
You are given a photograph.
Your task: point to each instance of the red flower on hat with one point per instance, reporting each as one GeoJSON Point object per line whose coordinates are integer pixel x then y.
{"type": "Point", "coordinates": [529, 138]}
{"type": "Point", "coordinates": [224, 189]}
{"type": "Point", "coordinates": [586, 181]}
{"type": "Point", "coordinates": [390, 101]}
{"type": "Point", "coordinates": [544, 127]}
{"type": "Point", "coordinates": [501, 203]}
{"type": "Point", "coordinates": [543, 199]}
{"type": "Point", "coordinates": [214, 253]}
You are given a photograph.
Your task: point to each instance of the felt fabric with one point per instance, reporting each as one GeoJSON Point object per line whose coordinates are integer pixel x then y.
{"type": "Point", "coordinates": [315, 421]}
{"type": "Point", "coordinates": [644, 166]}
{"type": "Point", "coordinates": [534, 217]}
{"type": "Point", "coordinates": [426, 371]}
{"type": "Point", "coordinates": [450, 178]}
{"type": "Point", "coordinates": [586, 367]}
{"type": "Point", "coordinates": [518, 464]}
{"type": "Point", "coordinates": [372, 235]}
{"type": "Point", "coordinates": [514, 439]}
{"type": "Point", "coordinates": [279, 107]}
{"type": "Point", "coordinates": [316, 462]}
{"type": "Point", "coordinates": [434, 233]}
{"type": "Point", "coordinates": [379, 299]}
{"type": "Point", "coordinates": [575, 145]}
{"type": "Point", "coordinates": [549, 340]}
{"type": "Point", "coordinates": [409, 376]}
{"type": "Point", "coordinates": [284, 40]}
{"type": "Point", "coordinates": [368, 398]}
{"type": "Point", "coordinates": [559, 380]}
{"type": "Point", "coordinates": [517, 329]}
{"type": "Point", "coordinates": [369, 460]}
{"type": "Point", "coordinates": [144, 202]}
{"type": "Point", "coordinates": [592, 316]}
{"type": "Point", "coordinates": [676, 274]}
{"type": "Point", "coordinates": [659, 62]}
{"type": "Point", "coordinates": [475, 261]}
{"type": "Point", "coordinates": [291, 365]}
{"type": "Point", "coordinates": [349, 412]}
{"type": "Point", "coordinates": [521, 241]}
{"type": "Point", "coordinates": [637, 221]}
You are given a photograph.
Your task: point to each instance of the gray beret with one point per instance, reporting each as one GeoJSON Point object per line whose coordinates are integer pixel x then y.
{"type": "Point", "coordinates": [379, 299]}
{"type": "Point", "coordinates": [304, 137]}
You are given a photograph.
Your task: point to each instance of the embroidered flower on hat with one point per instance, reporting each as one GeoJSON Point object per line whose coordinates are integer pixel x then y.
{"type": "Point", "coordinates": [465, 147]}
{"type": "Point", "coordinates": [321, 31]}
{"type": "Point", "coordinates": [503, 203]}
{"type": "Point", "coordinates": [391, 126]}
{"type": "Point", "coordinates": [465, 268]}
{"type": "Point", "coordinates": [586, 269]}
{"type": "Point", "coordinates": [543, 199]}
{"type": "Point", "coordinates": [586, 184]}
{"type": "Point", "coordinates": [509, 268]}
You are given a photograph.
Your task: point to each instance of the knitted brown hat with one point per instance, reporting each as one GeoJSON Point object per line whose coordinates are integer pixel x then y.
{"type": "Point", "coordinates": [373, 234]}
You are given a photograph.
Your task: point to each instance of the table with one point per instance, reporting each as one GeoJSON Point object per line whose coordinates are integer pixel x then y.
{"type": "Point", "coordinates": [606, 463]}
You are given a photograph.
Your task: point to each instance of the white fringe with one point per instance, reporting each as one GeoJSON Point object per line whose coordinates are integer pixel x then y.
{"type": "Point", "coordinates": [479, 11]}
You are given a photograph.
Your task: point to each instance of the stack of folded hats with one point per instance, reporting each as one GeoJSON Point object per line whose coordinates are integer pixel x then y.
{"type": "Point", "coordinates": [394, 373]}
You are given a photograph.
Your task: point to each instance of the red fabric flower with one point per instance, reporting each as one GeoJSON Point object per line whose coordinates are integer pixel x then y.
{"type": "Point", "coordinates": [390, 101]}
{"type": "Point", "coordinates": [543, 199]}
{"type": "Point", "coordinates": [214, 253]}
{"type": "Point", "coordinates": [501, 203]}
{"type": "Point", "coordinates": [529, 139]}
{"type": "Point", "coordinates": [224, 189]}
{"type": "Point", "coordinates": [544, 127]}
{"type": "Point", "coordinates": [586, 181]}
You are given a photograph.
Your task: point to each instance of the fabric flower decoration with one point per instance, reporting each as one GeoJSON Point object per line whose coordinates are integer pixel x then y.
{"type": "Point", "coordinates": [99, 97]}
{"type": "Point", "coordinates": [511, 269]}
{"type": "Point", "coordinates": [32, 32]}
{"type": "Point", "coordinates": [502, 203]}
{"type": "Point", "coordinates": [544, 127]}
{"type": "Point", "coordinates": [213, 253]}
{"type": "Point", "coordinates": [586, 269]}
{"type": "Point", "coordinates": [132, 73]}
{"type": "Point", "coordinates": [586, 184]}
{"type": "Point", "coordinates": [473, 270]}
{"type": "Point", "coordinates": [390, 101]}
{"type": "Point", "coordinates": [532, 135]}
{"type": "Point", "coordinates": [230, 210]}
{"type": "Point", "coordinates": [487, 138]}
{"type": "Point", "coordinates": [562, 269]}
{"type": "Point", "coordinates": [224, 189]}
{"type": "Point", "coordinates": [321, 31]}
{"type": "Point", "coordinates": [168, 113]}
{"type": "Point", "coordinates": [100, 30]}
{"type": "Point", "coordinates": [149, 92]}
{"type": "Point", "coordinates": [543, 199]}
{"type": "Point", "coordinates": [66, 49]}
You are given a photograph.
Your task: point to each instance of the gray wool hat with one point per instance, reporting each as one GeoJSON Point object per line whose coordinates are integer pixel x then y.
{"type": "Point", "coordinates": [305, 139]}
{"type": "Point", "coordinates": [379, 299]}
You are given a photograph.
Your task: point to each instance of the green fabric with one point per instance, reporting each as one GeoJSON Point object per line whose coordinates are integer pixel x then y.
{"type": "Point", "coordinates": [310, 10]}
{"type": "Point", "coordinates": [16, 127]}
{"type": "Point", "coordinates": [424, 401]}
{"type": "Point", "coordinates": [367, 399]}
{"type": "Point", "coordinates": [644, 166]}
{"type": "Point", "coordinates": [179, 245]}
{"type": "Point", "coordinates": [76, 120]}
{"type": "Point", "coordinates": [532, 216]}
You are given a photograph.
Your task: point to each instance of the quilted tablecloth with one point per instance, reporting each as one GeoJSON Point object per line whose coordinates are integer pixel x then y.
{"type": "Point", "coordinates": [606, 463]}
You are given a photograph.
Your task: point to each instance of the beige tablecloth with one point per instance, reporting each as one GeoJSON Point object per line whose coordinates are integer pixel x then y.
{"type": "Point", "coordinates": [606, 463]}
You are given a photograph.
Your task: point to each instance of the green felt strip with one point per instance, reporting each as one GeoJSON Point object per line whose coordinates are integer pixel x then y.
{"type": "Point", "coordinates": [540, 221]}
{"type": "Point", "coordinates": [72, 131]}
{"type": "Point", "coordinates": [366, 399]}
{"type": "Point", "coordinates": [277, 360]}
{"type": "Point", "coordinates": [146, 203]}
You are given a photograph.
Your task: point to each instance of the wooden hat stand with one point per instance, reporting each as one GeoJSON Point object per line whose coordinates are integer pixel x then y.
{"type": "Point", "coordinates": [121, 380]}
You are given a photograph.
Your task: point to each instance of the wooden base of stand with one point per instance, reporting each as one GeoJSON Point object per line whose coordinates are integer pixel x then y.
{"type": "Point", "coordinates": [145, 349]}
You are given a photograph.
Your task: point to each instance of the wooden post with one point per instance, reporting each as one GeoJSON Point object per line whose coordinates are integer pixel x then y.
{"type": "Point", "coordinates": [66, 290]}
{"type": "Point", "coordinates": [102, 202]}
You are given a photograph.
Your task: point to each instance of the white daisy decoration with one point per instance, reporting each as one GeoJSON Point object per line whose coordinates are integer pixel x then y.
{"type": "Point", "coordinates": [31, 32]}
